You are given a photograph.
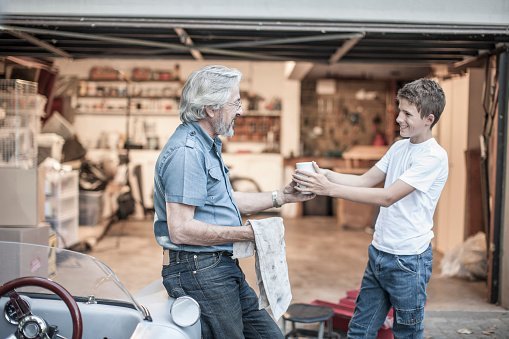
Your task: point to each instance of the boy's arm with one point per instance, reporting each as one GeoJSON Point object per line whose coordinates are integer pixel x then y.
{"type": "Point", "coordinates": [371, 178]}
{"type": "Point", "coordinates": [376, 196]}
{"type": "Point", "coordinates": [319, 184]}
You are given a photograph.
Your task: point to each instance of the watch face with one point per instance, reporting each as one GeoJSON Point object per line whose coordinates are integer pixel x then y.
{"type": "Point", "coordinates": [10, 313]}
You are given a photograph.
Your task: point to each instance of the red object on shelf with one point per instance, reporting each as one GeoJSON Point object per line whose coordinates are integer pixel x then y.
{"type": "Point", "coordinates": [343, 313]}
{"type": "Point", "coordinates": [103, 73]}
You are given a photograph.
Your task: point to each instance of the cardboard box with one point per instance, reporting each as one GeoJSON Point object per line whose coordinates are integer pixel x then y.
{"type": "Point", "coordinates": [19, 261]}
{"type": "Point", "coordinates": [32, 235]}
{"type": "Point", "coordinates": [21, 197]}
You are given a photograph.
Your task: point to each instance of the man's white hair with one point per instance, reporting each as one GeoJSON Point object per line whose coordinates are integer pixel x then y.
{"type": "Point", "coordinates": [209, 86]}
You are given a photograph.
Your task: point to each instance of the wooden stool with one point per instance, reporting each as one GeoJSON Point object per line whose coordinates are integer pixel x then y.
{"type": "Point", "coordinates": [306, 314]}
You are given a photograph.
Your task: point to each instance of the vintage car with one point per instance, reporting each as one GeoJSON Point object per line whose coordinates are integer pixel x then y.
{"type": "Point", "coordinates": [47, 292]}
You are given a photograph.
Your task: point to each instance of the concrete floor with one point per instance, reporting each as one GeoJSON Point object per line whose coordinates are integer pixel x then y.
{"type": "Point", "coordinates": [324, 262]}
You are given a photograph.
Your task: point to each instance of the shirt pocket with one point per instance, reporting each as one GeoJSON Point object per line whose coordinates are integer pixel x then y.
{"type": "Point", "coordinates": [214, 183]}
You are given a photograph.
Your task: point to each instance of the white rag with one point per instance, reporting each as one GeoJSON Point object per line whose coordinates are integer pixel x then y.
{"type": "Point", "coordinates": [270, 264]}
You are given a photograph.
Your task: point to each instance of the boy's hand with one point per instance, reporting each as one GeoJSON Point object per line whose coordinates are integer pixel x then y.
{"type": "Point", "coordinates": [316, 183]}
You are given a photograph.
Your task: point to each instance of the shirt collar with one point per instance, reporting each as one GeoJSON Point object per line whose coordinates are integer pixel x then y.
{"type": "Point", "coordinates": [205, 138]}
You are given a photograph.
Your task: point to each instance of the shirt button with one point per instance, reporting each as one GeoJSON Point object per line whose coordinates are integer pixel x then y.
{"type": "Point", "coordinates": [192, 133]}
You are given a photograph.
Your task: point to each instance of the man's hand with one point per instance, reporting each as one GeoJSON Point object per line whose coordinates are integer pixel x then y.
{"type": "Point", "coordinates": [291, 194]}
{"type": "Point", "coordinates": [317, 183]}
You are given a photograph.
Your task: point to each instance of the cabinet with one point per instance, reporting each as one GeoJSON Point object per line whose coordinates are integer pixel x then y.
{"type": "Point", "coordinates": [113, 97]}
{"type": "Point", "coordinates": [61, 206]}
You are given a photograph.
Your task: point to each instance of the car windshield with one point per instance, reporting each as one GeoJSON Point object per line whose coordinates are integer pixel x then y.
{"type": "Point", "coordinates": [80, 274]}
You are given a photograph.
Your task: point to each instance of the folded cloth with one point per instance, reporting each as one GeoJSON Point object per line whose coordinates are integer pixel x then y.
{"type": "Point", "coordinates": [270, 263]}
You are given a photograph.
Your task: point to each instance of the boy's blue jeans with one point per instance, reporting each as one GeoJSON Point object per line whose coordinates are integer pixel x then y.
{"type": "Point", "coordinates": [229, 306]}
{"type": "Point", "coordinates": [397, 281]}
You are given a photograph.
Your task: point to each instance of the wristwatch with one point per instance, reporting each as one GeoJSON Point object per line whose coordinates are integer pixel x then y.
{"type": "Point", "coordinates": [274, 200]}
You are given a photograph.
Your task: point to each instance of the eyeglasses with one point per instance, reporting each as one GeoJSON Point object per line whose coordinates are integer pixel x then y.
{"type": "Point", "coordinates": [237, 104]}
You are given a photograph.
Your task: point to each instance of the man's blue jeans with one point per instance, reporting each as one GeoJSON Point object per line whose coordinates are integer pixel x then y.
{"type": "Point", "coordinates": [397, 281]}
{"type": "Point", "coordinates": [229, 306]}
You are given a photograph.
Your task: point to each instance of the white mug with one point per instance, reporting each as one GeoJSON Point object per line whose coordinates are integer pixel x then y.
{"type": "Point", "coordinates": [307, 167]}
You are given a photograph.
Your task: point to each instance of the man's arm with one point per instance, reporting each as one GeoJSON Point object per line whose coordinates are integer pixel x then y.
{"type": "Point", "coordinates": [184, 229]}
{"type": "Point", "coordinates": [255, 202]}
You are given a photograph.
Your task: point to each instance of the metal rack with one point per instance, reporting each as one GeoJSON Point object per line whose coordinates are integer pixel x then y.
{"type": "Point", "coordinates": [19, 123]}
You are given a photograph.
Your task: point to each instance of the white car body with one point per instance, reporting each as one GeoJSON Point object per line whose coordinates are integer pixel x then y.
{"type": "Point", "coordinates": [108, 310]}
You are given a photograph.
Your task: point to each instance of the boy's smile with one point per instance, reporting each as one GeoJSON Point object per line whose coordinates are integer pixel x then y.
{"type": "Point", "coordinates": [411, 125]}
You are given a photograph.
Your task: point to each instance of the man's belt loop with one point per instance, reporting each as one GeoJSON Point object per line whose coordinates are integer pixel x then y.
{"type": "Point", "coordinates": [166, 257]}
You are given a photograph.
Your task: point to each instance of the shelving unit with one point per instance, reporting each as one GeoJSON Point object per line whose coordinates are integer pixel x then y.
{"type": "Point", "coordinates": [261, 123]}
{"type": "Point", "coordinates": [19, 175]}
{"type": "Point", "coordinates": [262, 113]}
{"type": "Point", "coordinates": [111, 97]}
{"type": "Point", "coordinates": [61, 206]}
{"type": "Point", "coordinates": [350, 115]}
{"type": "Point", "coordinates": [258, 128]}
{"type": "Point", "coordinates": [17, 146]}
{"type": "Point", "coordinates": [19, 124]}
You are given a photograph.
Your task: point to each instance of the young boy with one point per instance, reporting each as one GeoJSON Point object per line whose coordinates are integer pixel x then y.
{"type": "Point", "coordinates": [415, 170]}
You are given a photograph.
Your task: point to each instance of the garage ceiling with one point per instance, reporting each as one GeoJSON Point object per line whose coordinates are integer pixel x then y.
{"type": "Point", "coordinates": [320, 42]}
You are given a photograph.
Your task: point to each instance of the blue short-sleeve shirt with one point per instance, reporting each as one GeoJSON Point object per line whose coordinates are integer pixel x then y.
{"type": "Point", "coordinates": [191, 171]}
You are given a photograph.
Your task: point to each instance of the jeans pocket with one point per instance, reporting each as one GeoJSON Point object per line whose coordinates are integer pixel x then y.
{"type": "Point", "coordinates": [428, 270]}
{"type": "Point", "coordinates": [173, 285]}
{"type": "Point", "coordinates": [407, 263]}
{"type": "Point", "coordinates": [203, 263]}
{"type": "Point", "coordinates": [409, 317]}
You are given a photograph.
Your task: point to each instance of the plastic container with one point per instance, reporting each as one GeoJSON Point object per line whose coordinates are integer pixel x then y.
{"type": "Point", "coordinates": [91, 206]}
{"type": "Point", "coordinates": [66, 230]}
{"type": "Point", "coordinates": [53, 143]}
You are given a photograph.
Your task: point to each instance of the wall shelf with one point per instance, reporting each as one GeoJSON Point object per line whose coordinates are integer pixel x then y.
{"type": "Point", "coordinates": [169, 97]}
{"type": "Point", "coordinates": [111, 97]}
{"type": "Point", "coordinates": [160, 98]}
{"type": "Point", "coordinates": [122, 113]}
{"type": "Point", "coordinates": [262, 113]}
{"type": "Point", "coordinates": [134, 81]}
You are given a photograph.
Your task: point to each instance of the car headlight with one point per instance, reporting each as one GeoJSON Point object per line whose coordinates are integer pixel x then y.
{"type": "Point", "coordinates": [185, 311]}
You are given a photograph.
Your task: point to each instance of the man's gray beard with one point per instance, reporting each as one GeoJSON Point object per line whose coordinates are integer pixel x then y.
{"type": "Point", "coordinates": [222, 129]}
{"type": "Point", "coordinates": [230, 131]}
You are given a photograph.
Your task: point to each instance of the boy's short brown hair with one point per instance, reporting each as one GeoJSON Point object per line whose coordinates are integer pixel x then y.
{"type": "Point", "coordinates": [426, 95]}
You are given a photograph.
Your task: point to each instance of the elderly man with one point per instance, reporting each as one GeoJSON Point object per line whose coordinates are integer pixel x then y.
{"type": "Point", "coordinates": [198, 216]}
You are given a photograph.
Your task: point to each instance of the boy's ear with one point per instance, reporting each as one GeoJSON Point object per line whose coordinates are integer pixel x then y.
{"type": "Point", "coordinates": [430, 119]}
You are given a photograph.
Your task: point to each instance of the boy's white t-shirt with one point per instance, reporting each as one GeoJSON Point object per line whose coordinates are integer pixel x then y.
{"type": "Point", "coordinates": [406, 227]}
